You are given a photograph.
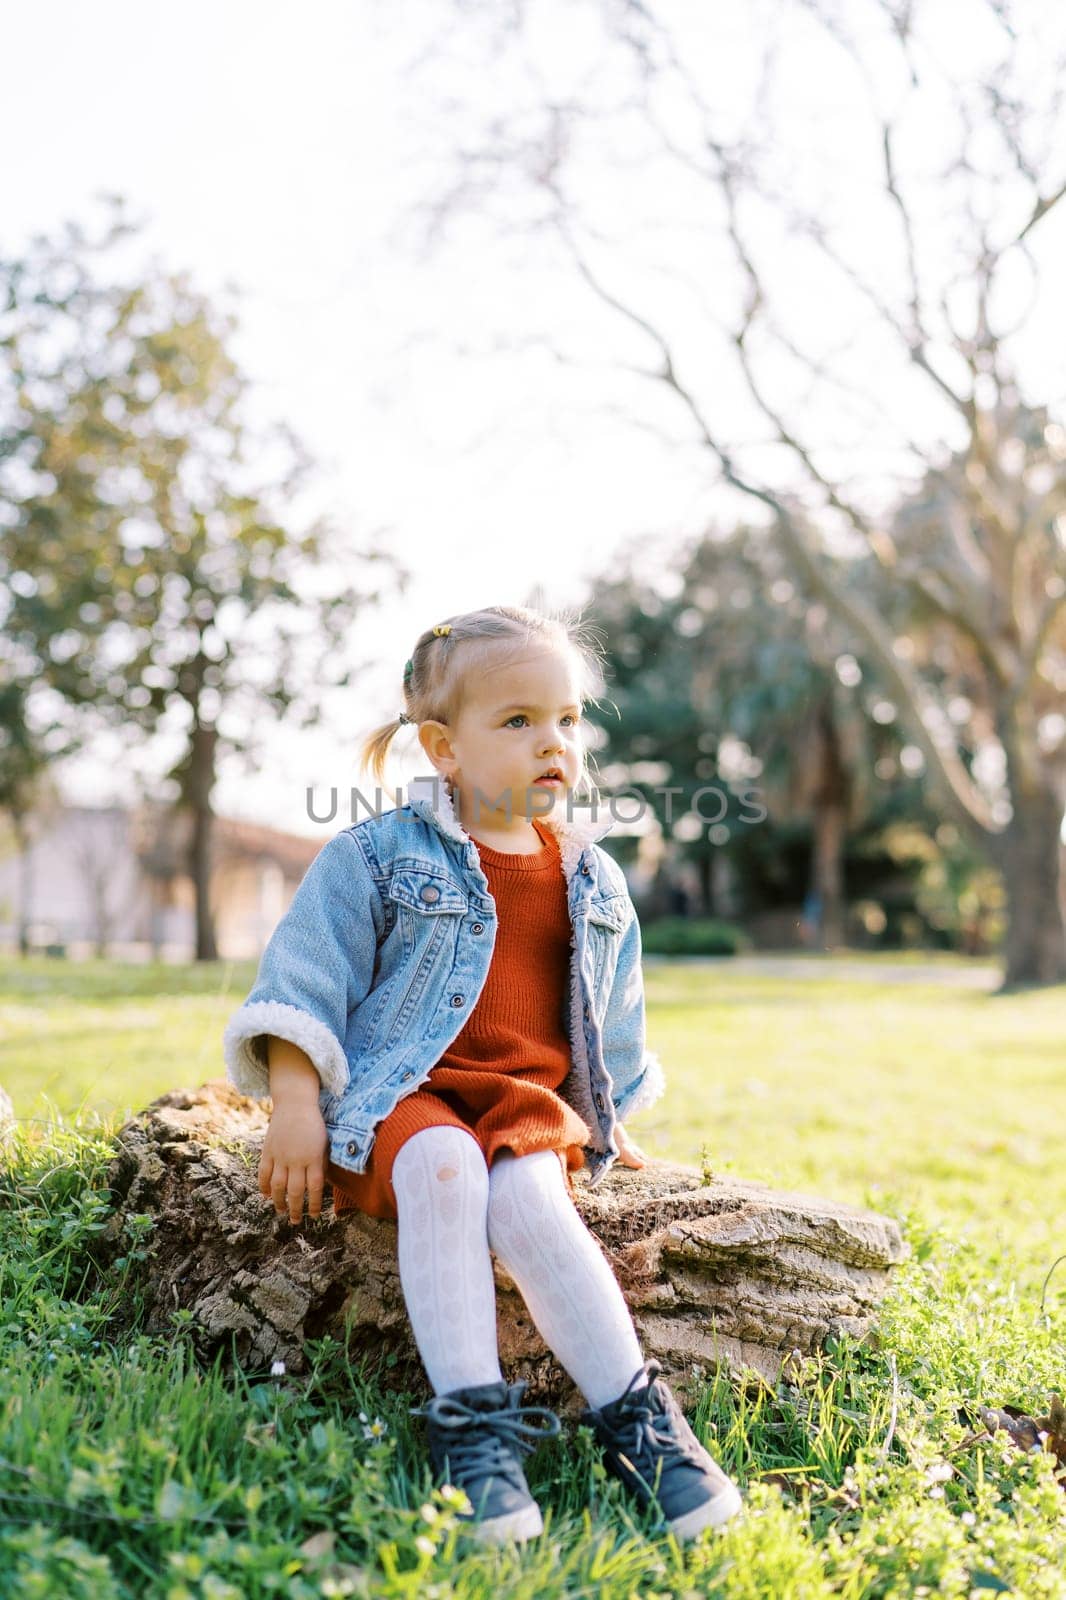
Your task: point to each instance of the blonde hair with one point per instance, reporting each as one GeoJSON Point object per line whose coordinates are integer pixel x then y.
{"type": "Point", "coordinates": [442, 663]}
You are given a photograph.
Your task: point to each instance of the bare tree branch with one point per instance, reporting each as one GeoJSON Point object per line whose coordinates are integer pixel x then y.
{"type": "Point", "coordinates": [967, 801]}
{"type": "Point", "coordinates": [970, 541]}
{"type": "Point", "coordinates": [919, 333]}
{"type": "Point", "coordinates": [1043, 205]}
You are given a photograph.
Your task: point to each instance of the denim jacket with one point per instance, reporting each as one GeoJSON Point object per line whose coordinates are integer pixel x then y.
{"type": "Point", "coordinates": [384, 950]}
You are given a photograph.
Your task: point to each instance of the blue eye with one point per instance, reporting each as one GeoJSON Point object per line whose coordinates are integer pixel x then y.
{"type": "Point", "coordinates": [520, 716]}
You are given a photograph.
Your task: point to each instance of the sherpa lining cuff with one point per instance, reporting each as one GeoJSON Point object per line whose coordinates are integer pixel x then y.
{"type": "Point", "coordinates": [247, 1070]}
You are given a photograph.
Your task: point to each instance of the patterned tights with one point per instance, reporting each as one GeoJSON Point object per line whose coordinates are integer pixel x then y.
{"type": "Point", "coordinates": [451, 1212]}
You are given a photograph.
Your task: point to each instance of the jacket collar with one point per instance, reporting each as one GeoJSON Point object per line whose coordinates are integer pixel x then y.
{"type": "Point", "coordinates": [430, 797]}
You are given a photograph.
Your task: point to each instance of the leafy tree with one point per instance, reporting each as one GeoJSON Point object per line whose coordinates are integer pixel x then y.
{"type": "Point", "coordinates": [25, 761]}
{"type": "Point", "coordinates": [738, 680]}
{"type": "Point", "coordinates": [157, 572]}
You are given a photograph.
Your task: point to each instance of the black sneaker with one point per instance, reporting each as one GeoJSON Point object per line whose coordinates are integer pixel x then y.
{"type": "Point", "coordinates": [476, 1436]}
{"type": "Point", "coordinates": [649, 1445]}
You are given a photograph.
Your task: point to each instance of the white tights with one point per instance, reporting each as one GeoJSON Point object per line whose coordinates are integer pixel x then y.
{"type": "Point", "coordinates": [451, 1212]}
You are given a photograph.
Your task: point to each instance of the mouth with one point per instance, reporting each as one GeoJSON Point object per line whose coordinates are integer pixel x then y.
{"type": "Point", "coordinates": [551, 777]}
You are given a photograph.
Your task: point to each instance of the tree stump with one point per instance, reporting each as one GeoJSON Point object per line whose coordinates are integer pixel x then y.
{"type": "Point", "coordinates": [715, 1272]}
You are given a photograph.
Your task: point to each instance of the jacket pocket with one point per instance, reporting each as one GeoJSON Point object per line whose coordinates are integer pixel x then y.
{"type": "Point", "coordinates": [428, 893]}
{"type": "Point", "coordinates": [428, 908]}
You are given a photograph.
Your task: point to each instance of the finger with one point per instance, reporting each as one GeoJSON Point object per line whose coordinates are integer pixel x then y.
{"type": "Point", "coordinates": [277, 1188]}
{"type": "Point", "coordinates": [266, 1167]}
{"type": "Point", "coordinates": [315, 1181]}
{"type": "Point", "coordinates": [295, 1192]}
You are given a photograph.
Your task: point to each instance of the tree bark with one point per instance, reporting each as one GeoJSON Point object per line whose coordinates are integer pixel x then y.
{"type": "Point", "coordinates": [206, 945]}
{"type": "Point", "coordinates": [716, 1271]}
{"type": "Point", "coordinates": [706, 883]}
{"type": "Point", "coordinates": [1029, 858]}
{"type": "Point", "coordinates": [830, 801]}
{"type": "Point", "coordinates": [200, 781]}
{"type": "Point", "coordinates": [821, 785]}
{"type": "Point", "coordinates": [827, 875]}
{"type": "Point", "coordinates": [25, 879]}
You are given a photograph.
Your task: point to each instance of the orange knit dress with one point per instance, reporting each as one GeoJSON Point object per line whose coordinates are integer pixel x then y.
{"type": "Point", "coordinates": [499, 1077]}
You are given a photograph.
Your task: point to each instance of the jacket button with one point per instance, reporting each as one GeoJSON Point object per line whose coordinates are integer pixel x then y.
{"type": "Point", "coordinates": [600, 1101]}
{"type": "Point", "coordinates": [584, 868]}
{"type": "Point", "coordinates": [457, 999]}
{"type": "Point", "coordinates": [478, 927]}
{"type": "Point", "coordinates": [429, 893]}
{"type": "Point", "coordinates": [352, 1148]}
{"type": "Point", "coordinates": [405, 1075]}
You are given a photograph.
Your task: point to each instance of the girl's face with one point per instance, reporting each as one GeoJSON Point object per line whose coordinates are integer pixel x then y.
{"type": "Point", "coordinates": [516, 722]}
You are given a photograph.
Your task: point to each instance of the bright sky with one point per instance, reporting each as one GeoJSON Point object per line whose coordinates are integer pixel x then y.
{"type": "Point", "coordinates": [283, 151]}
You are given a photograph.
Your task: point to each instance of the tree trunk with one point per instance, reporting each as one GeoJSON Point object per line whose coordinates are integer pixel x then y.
{"type": "Point", "coordinates": [1029, 856]}
{"type": "Point", "coordinates": [827, 872]}
{"type": "Point", "coordinates": [829, 799]}
{"type": "Point", "coordinates": [25, 880]}
{"type": "Point", "coordinates": [715, 1270]}
{"type": "Point", "coordinates": [206, 947]}
{"type": "Point", "coordinates": [101, 919]}
{"type": "Point", "coordinates": [200, 780]}
{"type": "Point", "coordinates": [706, 881]}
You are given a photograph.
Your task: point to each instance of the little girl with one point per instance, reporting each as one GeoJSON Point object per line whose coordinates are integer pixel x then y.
{"type": "Point", "coordinates": [450, 1021]}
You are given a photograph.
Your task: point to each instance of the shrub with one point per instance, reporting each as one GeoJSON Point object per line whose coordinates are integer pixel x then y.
{"type": "Point", "coordinates": [692, 936]}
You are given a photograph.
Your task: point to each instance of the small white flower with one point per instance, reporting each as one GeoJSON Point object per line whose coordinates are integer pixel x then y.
{"type": "Point", "coordinates": [452, 1495]}
{"type": "Point", "coordinates": [363, 1417]}
{"type": "Point", "coordinates": [936, 1492]}
{"type": "Point", "coordinates": [424, 1545]}
{"type": "Point", "coordinates": [968, 1518]}
{"type": "Point", "coordinates": [375, 1430]}
{"type": "Point", "coordinates": [278, 1369]}
{"type": "Point", "coordinates": [429, 1513]}
{"type": "Point", "coordinates": [939, 1472]}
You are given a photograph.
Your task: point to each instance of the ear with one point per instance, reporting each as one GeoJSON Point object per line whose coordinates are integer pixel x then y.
{"type": "Point", "coordinates": [435, 739]}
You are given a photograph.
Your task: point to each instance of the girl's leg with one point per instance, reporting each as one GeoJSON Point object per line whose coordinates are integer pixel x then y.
{"type": "Point", "coordinates": [441, 1184]}
{"type": "Point", "coordinates": [562, 1274]}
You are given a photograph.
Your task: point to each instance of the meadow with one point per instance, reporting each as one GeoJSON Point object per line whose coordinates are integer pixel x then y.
{"type": "Point", "coordinates": [126, 1468]}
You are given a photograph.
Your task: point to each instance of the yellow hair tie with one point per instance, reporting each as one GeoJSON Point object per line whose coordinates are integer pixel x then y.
{"type": "Point", "coordinates": [440, 632]}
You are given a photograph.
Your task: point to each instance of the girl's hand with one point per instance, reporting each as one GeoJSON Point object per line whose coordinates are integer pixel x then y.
{"type": "Point", "coordinates": [629, 1154]}
{"type": "Point", "coordinates": [292, 1159]}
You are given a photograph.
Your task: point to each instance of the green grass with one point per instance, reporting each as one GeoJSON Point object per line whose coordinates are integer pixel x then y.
{"type": "Point", "coordinates": [878, 1094]}
{"type": "Point", "coordinates": [126, 1469]}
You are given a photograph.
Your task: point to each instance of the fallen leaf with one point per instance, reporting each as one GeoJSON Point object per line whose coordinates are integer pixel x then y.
{"type": "Point", "coordinates": [1026, 1432]}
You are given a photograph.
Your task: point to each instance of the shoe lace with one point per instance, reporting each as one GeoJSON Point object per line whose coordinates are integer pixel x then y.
{"type": "Point", "coordinates": [485, 1441]}
{"type": "Point", "coordinates": [643, 1431]}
